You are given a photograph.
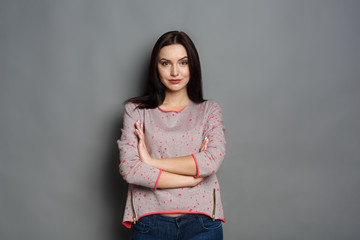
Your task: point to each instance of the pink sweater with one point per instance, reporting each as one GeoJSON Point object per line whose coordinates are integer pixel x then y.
{"type": "Point", "coordinates": [172, 134]}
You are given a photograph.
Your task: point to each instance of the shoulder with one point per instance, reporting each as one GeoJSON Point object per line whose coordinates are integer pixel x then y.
{"type": "Point", "coordinates": [210, 105]}
{"type": "Point", "coordinates": [135, 106]}
{"type": "Point", "coordinates": [131, 108]}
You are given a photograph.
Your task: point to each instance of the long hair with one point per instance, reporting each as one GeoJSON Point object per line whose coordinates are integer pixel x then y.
{"type": "Point", "coordinates": [154, 94]}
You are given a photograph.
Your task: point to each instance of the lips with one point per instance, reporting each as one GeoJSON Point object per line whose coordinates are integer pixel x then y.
{"type": "Point", "coordinates": [175, 81]}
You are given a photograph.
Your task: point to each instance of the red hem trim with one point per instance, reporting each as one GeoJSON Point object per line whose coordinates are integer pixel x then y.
{"type": "Point", "coordinates": [197, 166]}
{"type": "Point", "coordinates": [157, 180]}
{"type": "Point", "coordinates": [128, 224]}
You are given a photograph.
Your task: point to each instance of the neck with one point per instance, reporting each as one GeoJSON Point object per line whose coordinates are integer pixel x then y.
{"type": "Point", "coordinates": [176, 98]}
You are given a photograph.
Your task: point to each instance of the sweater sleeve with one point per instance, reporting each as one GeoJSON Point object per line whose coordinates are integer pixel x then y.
{"type": "Point", "coordinates": [132, 169]}
{"type": "Point", "coordinates": [208, 162]}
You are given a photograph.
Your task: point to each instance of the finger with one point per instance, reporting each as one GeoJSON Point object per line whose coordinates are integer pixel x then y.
{"type": "Point", "coordinates": [138, 134]}
{"type": "Point", "coordinates": [138, 126]}
{"type": "Point", "coordinates": [141, 134]}
{"type": "Point", "coordinates": [141, 129]}
{"type": "Point", "coordinates": [205, 147]}
{"type": "Point", "coordinates": [202, 146]}
{"type": "Point", "coordinates": [206, 143]}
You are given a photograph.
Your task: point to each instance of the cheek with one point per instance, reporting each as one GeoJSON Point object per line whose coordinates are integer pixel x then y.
{"type": "Point", "coordinates": [186, 72]}
{"type": "Point", "coordinates": [162, 73]}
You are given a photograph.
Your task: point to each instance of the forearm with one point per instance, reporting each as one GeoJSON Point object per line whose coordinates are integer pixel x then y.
{"type": "Point", "coordinates": [179, 165]}
{"type": "Point", "coordinates": [185, 165]}
{"type": "Point", "coordinates": [171, 180]}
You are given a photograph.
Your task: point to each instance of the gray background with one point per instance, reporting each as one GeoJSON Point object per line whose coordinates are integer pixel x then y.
{"type": "Point", "coordinates": [286, 74]}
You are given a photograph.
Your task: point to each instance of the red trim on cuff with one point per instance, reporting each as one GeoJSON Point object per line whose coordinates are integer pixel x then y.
{"type": "Point", "coordinates": [197, 166]}
{"type": "Point", "coordinates": [157, 180]}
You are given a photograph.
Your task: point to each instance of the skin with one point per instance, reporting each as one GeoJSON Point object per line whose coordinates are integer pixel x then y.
{"type": "Point", "coordinates": [179, 171]}
{"type": "Point", "coordinates": [183, 166]}
{"type": "Point", "coordinates": [173, 64]}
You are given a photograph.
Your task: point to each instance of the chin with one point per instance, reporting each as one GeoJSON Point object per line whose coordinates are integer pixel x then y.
{"type": "Point", "coordinates": [176, 88]}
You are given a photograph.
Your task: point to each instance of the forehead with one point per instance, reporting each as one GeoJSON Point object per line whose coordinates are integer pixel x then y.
{"type": "Point", "coordinates": [173, 52]}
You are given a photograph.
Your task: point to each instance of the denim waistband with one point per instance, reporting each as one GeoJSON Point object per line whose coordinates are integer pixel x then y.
{"type": "Point", "coordinates": [173, 219]}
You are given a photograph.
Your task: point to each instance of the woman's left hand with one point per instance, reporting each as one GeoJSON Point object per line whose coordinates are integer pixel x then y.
{"type": "Point", "coordinates": [142, 149]}
{"type": "Point", "coordinates": [204, 144]}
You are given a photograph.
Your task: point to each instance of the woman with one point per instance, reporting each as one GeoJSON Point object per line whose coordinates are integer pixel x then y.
{"type": "Point", "coordinates": [172, 145]}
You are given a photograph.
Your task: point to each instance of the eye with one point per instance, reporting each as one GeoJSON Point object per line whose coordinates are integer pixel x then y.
{"type": "Point", "coordinates": [164, 63]}
{"type": "Point", "coordinates": [183, 62]}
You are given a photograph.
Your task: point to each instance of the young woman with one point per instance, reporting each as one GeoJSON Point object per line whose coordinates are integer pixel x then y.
{"type": "Point", "coordinates": [172, 145]}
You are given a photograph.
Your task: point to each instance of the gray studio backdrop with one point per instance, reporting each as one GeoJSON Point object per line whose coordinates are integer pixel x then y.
{"type": "Point", "coordinates": [286, 74]}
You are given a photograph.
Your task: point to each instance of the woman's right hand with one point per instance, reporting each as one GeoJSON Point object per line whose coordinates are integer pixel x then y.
{"type": "Point", "coordinates": [142, 149]}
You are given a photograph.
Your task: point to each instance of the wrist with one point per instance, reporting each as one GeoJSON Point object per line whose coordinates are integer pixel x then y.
{"type": "Point", "coordinates": [193, 181]}
{"type": "Point", "coordinates": [149, 161]}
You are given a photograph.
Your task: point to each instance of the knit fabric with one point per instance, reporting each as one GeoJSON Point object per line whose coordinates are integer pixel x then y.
{"type": "Point", "coordinates": [172, 134]}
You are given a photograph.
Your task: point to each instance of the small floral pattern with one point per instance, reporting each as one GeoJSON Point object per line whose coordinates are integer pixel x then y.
{"type": "Point", "coordinates": [173, 134]}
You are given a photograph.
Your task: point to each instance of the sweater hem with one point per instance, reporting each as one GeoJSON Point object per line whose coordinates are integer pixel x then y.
{"type": "Point", "coordinates": [128, 224]}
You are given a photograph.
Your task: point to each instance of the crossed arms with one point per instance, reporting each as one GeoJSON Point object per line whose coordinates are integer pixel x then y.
{"type": "Point", "coordinates": [139, 168]}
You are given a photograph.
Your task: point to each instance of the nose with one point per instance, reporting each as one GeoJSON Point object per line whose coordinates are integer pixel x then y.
{"type": "Point", "coordinates": [174, 71]}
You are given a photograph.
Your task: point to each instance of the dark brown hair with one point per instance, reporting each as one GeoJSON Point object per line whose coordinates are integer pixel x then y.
{"type": "Point", "coordinates": [154, 94]}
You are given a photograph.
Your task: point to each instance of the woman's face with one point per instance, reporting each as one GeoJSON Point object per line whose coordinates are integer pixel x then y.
{"type": "Point", "coordinates": [173, 67]}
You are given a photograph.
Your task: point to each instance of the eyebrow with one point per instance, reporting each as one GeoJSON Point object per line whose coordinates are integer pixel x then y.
{"type": "Point", "coordinates": [169, 60]}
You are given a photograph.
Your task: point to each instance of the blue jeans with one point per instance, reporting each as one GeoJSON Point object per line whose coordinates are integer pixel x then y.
{"type": "Point", "coordinates": [185, 227]}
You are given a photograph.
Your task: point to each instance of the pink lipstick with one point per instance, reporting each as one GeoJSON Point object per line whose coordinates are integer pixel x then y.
{"type": "Point", "coordinates": [175, 81]}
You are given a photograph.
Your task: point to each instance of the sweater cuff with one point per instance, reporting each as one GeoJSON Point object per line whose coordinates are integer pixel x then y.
{"type": "Point", "coordinates": [157, 180]}
{"type": "Point", "coordinates": [197, 166]}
